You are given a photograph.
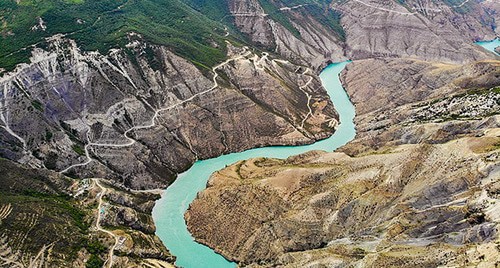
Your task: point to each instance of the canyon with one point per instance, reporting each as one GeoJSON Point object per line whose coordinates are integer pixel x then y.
{"type": "Point", "coordinates": [114, 123]}
{"type": "Point", "coordinates": [414, 188]}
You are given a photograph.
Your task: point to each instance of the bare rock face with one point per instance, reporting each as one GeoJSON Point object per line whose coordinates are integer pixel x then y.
{"type": "Point", "coordinates": [492, 9]}
{"type": "Point", "coordinates": [497, 50]}
{"type": "Point", "coordinates": [250, 18]}
{"type": "Point", "coordinates": [412, 190]}
{"type": "Point", "coordinates": [312, 42]}
{"type": "Point", "coordinates": [389, 94]}
{"type": "Point", "coordinates": [427, 31]}
{"type": "Point", "coordinates": [143, 114]}
{"type": "Point", "coordinates": [384, 84]}
{"type": "Point", "coordinates": [410, 196]}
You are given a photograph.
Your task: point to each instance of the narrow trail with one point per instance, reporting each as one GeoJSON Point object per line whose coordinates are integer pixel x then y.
{"type": "Point", "coordinates": [258, 62]}
{"type": "Point", "coordinates": [309, 97]}
{"type": "Point", "coordinates": [109, 261]}
{"type": "Point", "coordinates": [385, 9]}
{"type": "Point", "coordinates": [293, 7]}
{"type": "Point", "coordinates": [263, 15]}
{"type": "Point", "coordinates": [462, 4]}
{"type": "Point", "coordinates": [415, 8]}
{"type": "Point", "coordinates": [87, 155]}
{"type": "Point", "coordinates": [152, 123]}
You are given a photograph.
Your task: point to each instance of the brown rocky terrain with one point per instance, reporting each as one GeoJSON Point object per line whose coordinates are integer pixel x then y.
{"type": "Point", "coordinates": [101, 115]}
{"type": "Point", "coordinates": [438, 31]}
{"type": "Point", "coordinates": [92, 114]}
{"type": "Point", "coordinates": [137, 115]}
{"type": "Point", "coordinates": [313, 42]}
{"type": "Point", "coordinates": [389, 110]}
{"type": "Point", "coordinates": [401, 194]}
{"type": "Point", "coordinates": [329, 208]}
{"type": "Point", "coordinates": [48, 220]}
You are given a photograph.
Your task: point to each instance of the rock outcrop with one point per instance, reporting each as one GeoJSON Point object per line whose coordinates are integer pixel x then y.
{"type": "Point", "coordinates": [430, 31]}
{"type": "Point", "coordinates": [306, 39]}
{"type": "Point", "coordinates": [413, 188]}
{"type": "Point", "coordinates": [141, 115]}
{"type": "Point", "coordinates": [356, 209]}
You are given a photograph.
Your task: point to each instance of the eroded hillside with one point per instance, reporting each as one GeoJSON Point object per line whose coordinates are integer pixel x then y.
{"type": "Point", "coordinates": [124, 95]}
{"type": "Point", "coordinates": [416, 188]}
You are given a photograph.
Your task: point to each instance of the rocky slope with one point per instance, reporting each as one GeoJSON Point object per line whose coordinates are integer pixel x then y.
{"type": "Point", "coordinates": [426, 149]}
{"type": "Point", "coordinates": [307, 39]}
{"type": "Point", "coordinates": [438, 31]}
{"type": "Point", "coordinates": [418, 92]}
{"type": "Point", "coordinates": [48, 220]}
{"type": "Point", "coordinates": [306, 32]}
{"type": "Point", "coordinates": [92, 114]}
{"type": "Point", "coordinates": [101, 115]}
{"type": "Point", "coordinates": [179, 85]}
{"type": "Point", "coordinates": [370, 210]}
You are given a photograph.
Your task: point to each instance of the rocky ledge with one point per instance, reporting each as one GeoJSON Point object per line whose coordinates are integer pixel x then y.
{"type": "Point", "coordinates": [417, 204]}
{"type": "Point", "coordinates": [416, 188]}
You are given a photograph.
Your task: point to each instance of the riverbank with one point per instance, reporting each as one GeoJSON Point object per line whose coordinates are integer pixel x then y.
{"type": "Point", "coordinates": [169, 211]}
{"type": "Point", "coordinates": [418, 187]}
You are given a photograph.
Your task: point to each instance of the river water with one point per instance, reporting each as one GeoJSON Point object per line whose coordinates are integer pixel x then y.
{"type": "Point", "coordinates": [168, 213]}
{"type": "Point", "coordinates": [490, 45]}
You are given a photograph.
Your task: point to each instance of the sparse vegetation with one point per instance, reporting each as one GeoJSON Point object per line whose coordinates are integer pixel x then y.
{"type": "Point", "coordinates": [78, 149]}
{"type": "Point", "coordinates": [94, 262]}
{"type": "Point", "coordinates": [37, 105]}
{"type": "Point", "coordinates": [41, 215]}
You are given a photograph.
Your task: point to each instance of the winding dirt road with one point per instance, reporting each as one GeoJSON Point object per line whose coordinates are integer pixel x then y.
{"type": "Point", "coordinates": [155, 116]}
{"type": "Point", "coordinates": [109, 261]}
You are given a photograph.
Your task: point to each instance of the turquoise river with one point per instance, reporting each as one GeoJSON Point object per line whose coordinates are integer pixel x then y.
{"type": "Point", "coordinates": [490, 45]}
{"type": "Point", "coordinates": [168, 212]}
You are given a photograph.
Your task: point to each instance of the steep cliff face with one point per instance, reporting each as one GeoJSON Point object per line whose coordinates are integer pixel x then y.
{"type": "Point", "coordinates": [377, 85]}
{"type": "Point", "coordinates": [355, 210]}
{"type": "Point", "coordinates": [424, 29]}
{"type": "Point", "coordinates": [414, 189]}
{"type": "Point", "coordinates": [407, 92]}
{"type": "Point", "coordinates": [318, 32]}
{"type": "Point", "coordinates": [492, 9]}
{"type": "Point", "coordinates": [142, 114]}
{"type": "Point", "coordinates": [290, 30]}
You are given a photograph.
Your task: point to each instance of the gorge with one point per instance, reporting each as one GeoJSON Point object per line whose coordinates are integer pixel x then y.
{"type": "Point", "coordinates": [293, 221]}
{"type": "Point", "coordinates": [106, 103]}
{"type": "Point", "coordinates": [169, 210]}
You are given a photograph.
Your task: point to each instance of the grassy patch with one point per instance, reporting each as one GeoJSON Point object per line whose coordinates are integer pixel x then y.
{"type": "Point", "coordinates": [42, 213]}
{"type": "Point", "coordinates": [94, 262]}
{"type": "Point", "coordinates": [79, 150]}
{"type": "Point", "coordinates": [37, 105]}
{"type": "Point", "coordinates": [104, 24]}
